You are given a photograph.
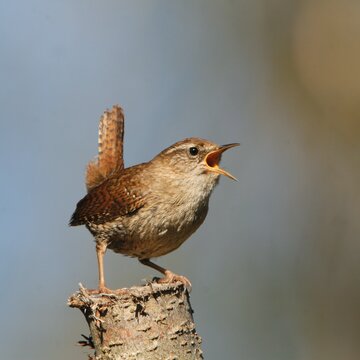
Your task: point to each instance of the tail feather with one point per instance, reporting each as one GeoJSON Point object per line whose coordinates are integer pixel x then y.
{"type": "Point", "coordinates": [110, 148]}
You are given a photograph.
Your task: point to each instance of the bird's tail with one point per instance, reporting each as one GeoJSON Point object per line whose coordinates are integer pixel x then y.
{"type": "Point", "coordinates": [110, 149]}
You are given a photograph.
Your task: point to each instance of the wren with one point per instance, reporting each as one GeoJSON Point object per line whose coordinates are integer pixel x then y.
{"type": "Point", "coordinates": [148, 210]}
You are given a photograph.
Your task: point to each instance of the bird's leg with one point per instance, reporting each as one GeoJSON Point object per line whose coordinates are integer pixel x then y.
{"type": "Point", "coordinates": [100, 252]}
{"type": "Point", "coordinates": [169, 275]}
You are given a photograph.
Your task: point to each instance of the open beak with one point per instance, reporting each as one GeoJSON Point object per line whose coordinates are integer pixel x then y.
{"type": "Point", "coordinates": [212, 160]}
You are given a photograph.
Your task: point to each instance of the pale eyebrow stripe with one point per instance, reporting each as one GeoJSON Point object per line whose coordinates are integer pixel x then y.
{"type": "Point", "coordinates": [178, 147]}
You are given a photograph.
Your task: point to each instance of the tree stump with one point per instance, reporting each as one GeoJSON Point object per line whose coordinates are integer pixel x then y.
{"type": "Point", "coordinates": [153, 321]}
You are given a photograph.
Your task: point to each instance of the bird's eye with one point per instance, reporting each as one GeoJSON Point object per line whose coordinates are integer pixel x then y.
{"type": "Point", "coordinates": [193, 151]}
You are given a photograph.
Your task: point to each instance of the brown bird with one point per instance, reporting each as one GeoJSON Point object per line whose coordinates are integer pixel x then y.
{"type": "Point", "coordinates": [150, 209]}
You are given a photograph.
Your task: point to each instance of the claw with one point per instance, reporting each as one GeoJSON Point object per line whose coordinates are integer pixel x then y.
{"type": "Point", "coordinates": [170, 277]}
{"type": "Point", "coordinates": [100, 290]}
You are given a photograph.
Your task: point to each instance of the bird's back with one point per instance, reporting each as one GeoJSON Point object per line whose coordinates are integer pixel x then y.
{"type": "Point", "coordinates": [118, 195]}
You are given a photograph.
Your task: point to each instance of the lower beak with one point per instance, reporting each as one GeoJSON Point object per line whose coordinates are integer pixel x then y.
{"type": "Point", "coordinates": [212, 160]}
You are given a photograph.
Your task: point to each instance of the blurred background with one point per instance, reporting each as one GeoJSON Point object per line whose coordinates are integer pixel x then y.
{"type": "Point", "coordinates": [275, 269]}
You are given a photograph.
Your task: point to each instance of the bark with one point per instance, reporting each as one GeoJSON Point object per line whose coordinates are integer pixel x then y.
{"type": "Point", "coordinates": [143, 322]}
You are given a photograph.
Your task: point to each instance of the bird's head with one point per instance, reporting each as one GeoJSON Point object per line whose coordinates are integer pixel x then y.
{"type": "Point", "coordinates": [195, 159]}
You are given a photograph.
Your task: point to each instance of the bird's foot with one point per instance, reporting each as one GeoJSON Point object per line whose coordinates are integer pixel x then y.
{"type": "Point", "coordinates": [105, 291]}
{"type": "Point", "coordinates": [170, 277]}
{"type": "Point", "coordinates": [100, 290]}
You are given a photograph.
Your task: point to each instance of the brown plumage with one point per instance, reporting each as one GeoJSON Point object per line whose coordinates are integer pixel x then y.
{"type": "Point", "coordinates": [110, 199]}
{"type": "Point", "coordinates": [110, 148]}
{"type": "Point", "coordinates": [150, 209]}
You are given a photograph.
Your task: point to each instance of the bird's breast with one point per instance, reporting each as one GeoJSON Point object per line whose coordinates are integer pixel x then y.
{"type": "Point", "coordinates": [159, 228]}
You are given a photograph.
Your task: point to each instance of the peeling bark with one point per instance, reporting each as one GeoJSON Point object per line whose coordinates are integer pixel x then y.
{"type": "Point", "coordinates": [142, 322]}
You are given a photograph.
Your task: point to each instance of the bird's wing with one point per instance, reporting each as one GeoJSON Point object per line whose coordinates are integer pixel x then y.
{"type": "Point", "coordinates": [109, 200]}
{"type": "Point", "coordinates": [110, 148]}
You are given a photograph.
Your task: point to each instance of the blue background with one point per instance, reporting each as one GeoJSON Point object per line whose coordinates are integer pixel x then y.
{"type": "Point", "coordinates": [275, 268]}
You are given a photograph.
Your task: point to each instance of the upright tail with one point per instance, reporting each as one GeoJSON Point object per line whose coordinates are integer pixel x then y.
{"type": "Point", "coordinates": [110, 148]}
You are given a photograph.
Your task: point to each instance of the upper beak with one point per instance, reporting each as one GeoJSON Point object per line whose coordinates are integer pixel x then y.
{"type": "Point", "coordinates": [212, 160]}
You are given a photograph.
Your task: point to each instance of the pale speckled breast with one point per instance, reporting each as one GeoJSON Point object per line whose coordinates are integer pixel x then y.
{"type": "Point", "coordinates": [151, 232]}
